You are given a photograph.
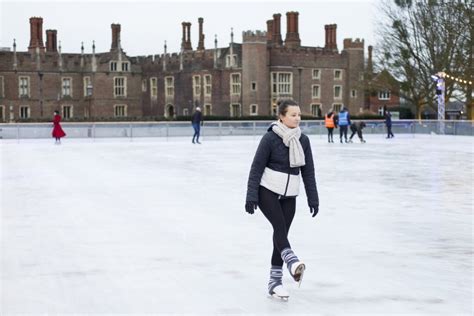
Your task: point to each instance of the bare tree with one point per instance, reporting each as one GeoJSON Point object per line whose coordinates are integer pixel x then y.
{"type": "Point", "coordinates": [417, 39]}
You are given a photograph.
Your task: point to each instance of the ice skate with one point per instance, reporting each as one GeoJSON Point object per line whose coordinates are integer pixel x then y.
{"type": "Point", "coordinates": [279, 292]}
{"type": "Point", "coordinates": [297, 270]}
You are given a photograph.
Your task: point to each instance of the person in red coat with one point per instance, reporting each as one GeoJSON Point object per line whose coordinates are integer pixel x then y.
{"type": "Point", "coordinates": [57, 130]}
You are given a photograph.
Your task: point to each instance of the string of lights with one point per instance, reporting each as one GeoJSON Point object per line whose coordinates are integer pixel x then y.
{"type": "Point", "coordinates": [459, 80]}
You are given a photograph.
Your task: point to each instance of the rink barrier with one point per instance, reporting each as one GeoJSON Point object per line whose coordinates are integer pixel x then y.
{"type": "Point", "coordinates": [218, 129]}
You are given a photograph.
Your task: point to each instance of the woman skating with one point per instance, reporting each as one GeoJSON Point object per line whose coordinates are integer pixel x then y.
{"type": "Point", "coordinates": [57, 129]}
{"type": "Point", "coordinates": [274, 183]}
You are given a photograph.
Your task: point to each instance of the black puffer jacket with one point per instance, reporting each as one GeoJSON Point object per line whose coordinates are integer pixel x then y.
{"type": "Point", "coordinates": [273, 153]}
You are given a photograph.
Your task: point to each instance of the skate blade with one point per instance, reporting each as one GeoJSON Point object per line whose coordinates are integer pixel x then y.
{"type": "Point", "coordinates": [299, 274]}
{"type": "Point", "coordinates": [281, 298]}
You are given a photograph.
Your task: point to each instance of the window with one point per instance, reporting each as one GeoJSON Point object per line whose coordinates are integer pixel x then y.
{"type": "Point", "coordinates": [235, 110]}
{"type": "Point", "coordinates": [120, 110]}
{"type": "Point", "coordinates": [208, 85]}
{"type": "Point", "coordinates": [67, 111]}
{"type": "Point", "coordinates": [337, 74]}
{"type": "Point", "coordinates": [315, 89]}
{"type": "Point", "coordinates": [231, 61]}
{"type": "Point", "coordinates": [2, 87]}
{"type": "Point", "coordinates": [144, 85]}
{"type": "Point", "coordinates": [24, 112]}
{"type": "Point", "coordinates": [185, 112]}
{"type": "Point", "coordinates": [169, 86]}
{"type": "Point", "coordinates": [196, 85]}
{"type": "Point", "coordinates": [86, 82]}
{"type": "Point", "coordinates": [337, 92]}
{"type": "Point", "coordinates": [253, 109]}
{"type": "Point", "coordinates": [316, 74]}
{"type": "Point", "coordinates": [120, 87]}
{"type": "Point", "coordinates": [353, 93]}
{"type": "Point", "coordinates": [381, 110]}
{"type": "Point", "coordinates": [235, 84]}
{"type": "Point", "coordinates": [66, 87]}
{"type": "Point", "coordinates": [113, 66]}
{"type": "Point", "coordinates": [253, 86]}
{"type": "Point", "coordinates": [24, 86]}
{"type": "Point", "coordinates": [207, 109]}
{"type": "Point", "coordinates": [125, 66]}
{"type": "Point", "coordinates": [282, 84]}
{"type": "Point", "coordinates": [337, 107]}
{"type": "Point", "coordinates": [153, 87]}
{"type": "Point", "coordinates": [316, 110]}
{"type": "Point", "coordinates": [2, 113]}
{"type": "Point", "coordinates": [384, 95]}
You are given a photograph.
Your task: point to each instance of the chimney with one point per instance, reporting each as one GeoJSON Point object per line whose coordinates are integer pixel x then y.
{"type": "Point", "coordinates": [269, 31]}
{"type": "Point", "coordinates": [292, 39]}
{"type": "Point", "coordinates": [51, 41]}
{"type": "Point", "coordinates": [201, 35]}
{"type": "Point", "coordinates": [36, 34]}
{"type": "Point", "coordinates": [276, 33]}
{"type": "Point", "coordinates": [186, 41]}
{"type": "Point", "coordinates": [331, 43]}
{"type": "Point", "coordinates": [370, 67]}
{"type": "Point", "coordinates": [115, 36]}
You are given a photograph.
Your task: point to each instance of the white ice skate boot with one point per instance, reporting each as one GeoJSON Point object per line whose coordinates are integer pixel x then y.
{"type": "Point", "coordinates": [297, 271]}
{"type": "Point", "coordinates": [280, 292]}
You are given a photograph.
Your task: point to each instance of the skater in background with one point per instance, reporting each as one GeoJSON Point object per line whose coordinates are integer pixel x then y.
{"type": "Point", "coordinates": [58, 132]}
{"type": "Point", "coordinates": [343, 121]}
{"type": "Point", "coordinates": [330, 125]}
{"type": "Point", "coordinates": [197, 123]}
{"type": "Point", "coordinates": [388, 123]}
{"type": "Point", "coordinates": [274, 183]}
{"type": "Point", "coordinates": [357, 127]}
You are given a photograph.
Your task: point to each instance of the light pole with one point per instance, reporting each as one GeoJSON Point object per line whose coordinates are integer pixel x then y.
{"type": "Point", "coordinates": [89, 96]}
{"type": "Point", "coordinates": [440, 87]}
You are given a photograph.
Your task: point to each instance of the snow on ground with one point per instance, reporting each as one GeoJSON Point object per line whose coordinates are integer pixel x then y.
{"type": "Point", "coordinates": [158, 226]}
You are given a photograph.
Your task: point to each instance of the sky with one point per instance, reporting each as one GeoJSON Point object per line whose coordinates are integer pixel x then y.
{"type": "Point", "coordinates": [146, 25]}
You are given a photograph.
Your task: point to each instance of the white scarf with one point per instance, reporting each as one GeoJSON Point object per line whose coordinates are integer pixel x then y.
{"type": "Point", "coordinates": [291, 139]}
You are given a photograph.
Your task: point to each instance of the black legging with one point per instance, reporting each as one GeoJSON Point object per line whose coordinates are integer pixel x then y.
{"type": "Point", "coordinates": [330, 131]}
{"type": "Point", "coordinates": [280, 213]}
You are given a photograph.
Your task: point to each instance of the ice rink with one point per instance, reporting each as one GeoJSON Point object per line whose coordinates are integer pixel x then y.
{"type": "Point", "coordinates": [158, 226]}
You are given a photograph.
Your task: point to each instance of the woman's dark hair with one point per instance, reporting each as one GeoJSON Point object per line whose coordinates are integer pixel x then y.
{"type": "Point", "coordinates": [56, 112]}
{"type": "Point", "coordinates": [284, 104]}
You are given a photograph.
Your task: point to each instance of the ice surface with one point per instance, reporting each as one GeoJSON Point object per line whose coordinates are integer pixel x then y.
{"type": "Point", "coordinates": [158, 226]}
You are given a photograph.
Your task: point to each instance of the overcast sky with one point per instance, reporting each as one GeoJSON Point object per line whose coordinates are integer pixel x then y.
{"type": "Point", "coordinates": [147, 24]}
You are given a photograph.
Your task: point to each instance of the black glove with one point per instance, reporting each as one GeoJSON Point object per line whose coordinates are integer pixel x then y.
{"type": "Point", "coordinates": [314, 209]}
{"type": "Point", "coordinates": [250, 206]}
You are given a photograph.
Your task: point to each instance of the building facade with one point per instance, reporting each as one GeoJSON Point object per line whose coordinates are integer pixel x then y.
{"type": "Point", "coordinates": [241, 79]}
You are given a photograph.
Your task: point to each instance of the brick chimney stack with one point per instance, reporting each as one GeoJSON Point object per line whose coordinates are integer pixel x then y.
{"type": "Point", "coordinates": [51, 41]}
{"type": "Point", "coordinates": [331, 42]}
{"type": "Point", "coordinates": [36, 34]}
{"type": "Point", "coordinates": [115, 36]}
{"type": "Point", "coordinates": [276, 33]}
{"type": "Point", "coordinates": [186, 41]}
{"type": "Point", "coordinates": [269, 31]}
{"type": "Point", "coordinates": [292, 39]}
{"type": "Point", "coordinates": [370, 66]}
{"type": "Point", "coordinates": [201, 35]}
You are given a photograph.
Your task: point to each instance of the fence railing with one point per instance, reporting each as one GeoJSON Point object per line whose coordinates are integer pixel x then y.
{"type": "Point", "coordinates": [217, 128]}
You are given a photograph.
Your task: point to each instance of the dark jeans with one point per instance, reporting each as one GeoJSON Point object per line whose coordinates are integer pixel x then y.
{"type": "Point", "coordinates": [280, 213]}
{"type": "Point", "coordinates": [330, 131]}
{"type": "Point", "coordinates": [197, 130]}
{"type": "Point", "coordinates": [389, 131]}
{"type": "Point", "coordinates": [359, 133]}
{"type": "Point", "coordinates": [343, 130]}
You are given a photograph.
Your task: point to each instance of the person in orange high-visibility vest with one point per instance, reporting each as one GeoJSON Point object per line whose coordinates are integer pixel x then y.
{"type": "Point", "coordinates": [330, 125]}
